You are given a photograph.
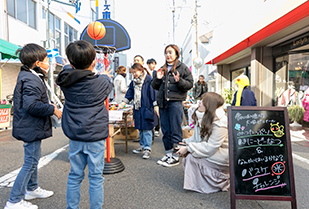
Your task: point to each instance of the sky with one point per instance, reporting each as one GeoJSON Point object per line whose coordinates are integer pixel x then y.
{"type": "Point", "coordinates": [149, 23]}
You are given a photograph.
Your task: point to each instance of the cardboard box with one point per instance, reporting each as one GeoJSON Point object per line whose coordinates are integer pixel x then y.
{"type": "Point", "coordinates": [132, 133]}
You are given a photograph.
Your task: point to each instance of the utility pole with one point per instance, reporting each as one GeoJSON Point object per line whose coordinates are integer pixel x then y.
{"type": "Point", "coordinates": [196, 33]}
{"type": "Point", "coordinates": [174, 21]}
{"type": "Point", "coordinates": [50, 72]}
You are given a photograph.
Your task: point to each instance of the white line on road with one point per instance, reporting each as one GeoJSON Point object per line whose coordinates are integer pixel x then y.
{"type": "Point", "coordinates": [305, 160]}
{"type": "Point", "coordinates": [8, 179]}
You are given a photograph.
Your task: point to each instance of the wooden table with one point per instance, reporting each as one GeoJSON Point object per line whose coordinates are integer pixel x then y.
{"type": "Point", "coordinates": [124, 121]}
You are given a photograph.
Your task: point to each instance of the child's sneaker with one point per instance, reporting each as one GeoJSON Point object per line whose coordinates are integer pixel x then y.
{"type": "Point", "coordinates": [38, 193]}
{"type": "Point", "coordinates": [139, 150]}
{"type": "Point", "coordinates": [146, 154]}
{"type": "Point", "coordinates": [172, 161]}
{"type": "Point", "coordinates": [20, 205]}
{"type": "Point", "coordinates": [162, 160]}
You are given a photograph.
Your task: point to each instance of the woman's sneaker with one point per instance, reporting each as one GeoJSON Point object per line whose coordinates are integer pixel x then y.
{"type": "Point", "coordinates": [162, 160]}
{"type": "Point", "coordinates": [172, 161]}
{"type": "Point", "coordinates": [147, 154]}
{"type": "Point", "coordinates": [139, 150]}
{"type": "Point", "coordinates": [38, 193]}
{"type": "Point", "coordinates": [20, 205]}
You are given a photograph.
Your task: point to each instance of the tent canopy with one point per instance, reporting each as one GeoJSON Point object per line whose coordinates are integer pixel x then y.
{"type": "Point", "coordinates": [8, 49]}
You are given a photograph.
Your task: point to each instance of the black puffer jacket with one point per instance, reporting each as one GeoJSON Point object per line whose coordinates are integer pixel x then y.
{"type": "Point", "coordinates": [199, 89]}
{"type": "Point", "coordinates": [85, 116]}
{"type": "Point", "coordinates": [32, 111]}
{"type": "Point", "coordinates": [169, 89]}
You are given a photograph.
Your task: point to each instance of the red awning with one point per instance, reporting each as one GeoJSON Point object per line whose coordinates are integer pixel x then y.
{"type": "Point", "coordinates": [294, 16]}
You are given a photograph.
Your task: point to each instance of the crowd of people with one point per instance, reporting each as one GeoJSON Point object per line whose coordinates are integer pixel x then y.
{"type": "Point", "coordinates": [157, 97]}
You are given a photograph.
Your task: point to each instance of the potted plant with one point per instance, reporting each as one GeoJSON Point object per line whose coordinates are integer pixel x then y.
{"type": "Point", "coordinates": [228, 95]}
{"type": "Point", "coordinates": [296, 113]}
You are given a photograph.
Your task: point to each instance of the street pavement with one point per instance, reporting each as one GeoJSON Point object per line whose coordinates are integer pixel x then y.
{"type": "Point", "coordinates": [143, 183]}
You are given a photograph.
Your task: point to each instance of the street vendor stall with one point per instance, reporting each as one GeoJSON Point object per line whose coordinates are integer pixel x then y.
{"type": "Point", "coordinates": [5, 115]}
{"type": "Point", "coordinates": [121, 125]}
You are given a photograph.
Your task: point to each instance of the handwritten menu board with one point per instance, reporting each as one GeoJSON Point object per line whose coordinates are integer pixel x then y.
{"type": "Point", "coordinates": [260, 153]}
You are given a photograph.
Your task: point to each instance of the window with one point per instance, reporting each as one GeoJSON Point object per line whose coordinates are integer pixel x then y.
{"type": "Point", "coordinates": [31, 10]}
{"type": "Point", "coordinates": [23, 10]}
{"type": "Point", "coordinates": [238, 72]}
{"type": "Point", "coordinates": [55, 32]}
{"type": "Point", "coordinates": [43, 14]}
{"type": "Point", "coordinates": [70, 34]}
{"type": "Point", "coordinates": [11, 7]}
{"type": "Point", "coordinates": [291, 78]}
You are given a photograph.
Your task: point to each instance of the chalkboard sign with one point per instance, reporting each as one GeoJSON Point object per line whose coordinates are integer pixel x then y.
{"type": "Point", "coordinates": [261, 164]}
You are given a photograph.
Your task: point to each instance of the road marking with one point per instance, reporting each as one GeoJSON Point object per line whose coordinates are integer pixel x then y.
{"type": "Point", "coordinates": [9, 179]}
{"type": "Point", "coordinates": [305, 160]}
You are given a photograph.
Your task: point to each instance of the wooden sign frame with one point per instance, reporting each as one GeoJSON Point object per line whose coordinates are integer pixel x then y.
{"type": "Point", "coordinates": [235, 196]}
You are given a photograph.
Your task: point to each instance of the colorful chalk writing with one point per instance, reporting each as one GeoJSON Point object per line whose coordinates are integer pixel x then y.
{"type": "Point", "coordinates": [260, 153]}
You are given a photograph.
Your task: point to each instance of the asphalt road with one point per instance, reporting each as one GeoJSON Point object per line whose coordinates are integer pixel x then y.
{"type": "Point", "coordinates": [143, 183]}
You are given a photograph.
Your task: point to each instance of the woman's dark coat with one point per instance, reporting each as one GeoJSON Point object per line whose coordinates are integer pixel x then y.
{"type": "Point", "coordinates": [144, 118]}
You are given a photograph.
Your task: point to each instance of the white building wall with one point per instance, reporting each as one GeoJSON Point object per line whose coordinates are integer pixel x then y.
{"type": "Point", "coordinates": [246, 21]}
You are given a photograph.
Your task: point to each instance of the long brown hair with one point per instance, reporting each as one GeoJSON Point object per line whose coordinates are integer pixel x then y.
{"type": "Point", "coordinates": [211, 102]}
{"type": "Point", "coordinates": [177, 52]}
{"type": "Point", "coordinates": [121, 69]}
{"type": "Point", "coordinates": [139, 67]}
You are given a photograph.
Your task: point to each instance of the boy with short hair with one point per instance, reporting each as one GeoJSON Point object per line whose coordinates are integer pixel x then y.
{"type": "Point", "coordinates": [31, 123]}
{"type": "Point", "coordinates": [85, 121]}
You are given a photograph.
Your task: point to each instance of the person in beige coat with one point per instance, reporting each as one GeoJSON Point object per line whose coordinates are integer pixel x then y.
{"type": "Point", "coordinates": [206, 162]}
{"type": "Point", "coordinates": [120, 84]}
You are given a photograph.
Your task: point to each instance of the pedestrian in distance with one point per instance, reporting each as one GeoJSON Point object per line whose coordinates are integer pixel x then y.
{"type": "Point", "coordinates": [120, 84]}
{"type": "Point", "coordinates": [144, 103]}
{"type": "Point", "coordinates": [137, 59]}
{"type": "Point", "coordinates": [243, 96]}
{"type": "Point", "coordinates": [199, 88]}
{"type": "Point", "coordinates": [31, 124]}
{"type": "Point", "coordinates": [151, 63]}
{"type": "Point", "coordinates": [85, 121]}
{"type": "Point", "coordinates": [206, 159]}
{"type": "Point", "coordinates": [172, 82]}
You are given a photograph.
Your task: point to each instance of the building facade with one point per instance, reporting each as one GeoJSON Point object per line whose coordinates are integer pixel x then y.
{"type": "Point", "coordinates": [272, 51]}
{"type": "Point", "coordinates": [52, 24]}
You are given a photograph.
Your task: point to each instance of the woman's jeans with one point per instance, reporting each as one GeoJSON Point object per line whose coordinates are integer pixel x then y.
{"type": "Point", "coordinates": [145, 139]}
{"type": "Point", "coordinates": [28, 175]}
{"type": "Point", "coordinates": [80, 155]}
{"type": "Point", "coordinates": [171, 116]}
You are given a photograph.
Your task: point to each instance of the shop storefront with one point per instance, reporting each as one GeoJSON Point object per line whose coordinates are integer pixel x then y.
{"type": "Point", "coordinates": [291, 61]}
{"type": "Point", "coordinates": [9, 68]}
{"type": "Point", "coordinates": [275, 58]}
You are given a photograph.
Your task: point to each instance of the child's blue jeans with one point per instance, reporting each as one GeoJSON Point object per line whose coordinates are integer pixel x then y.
{"type": "Point", "coordinates": [28, 175]}
{"type": "Point", "coordinates": [145, 139]}
{"type": "Point", "coordinates": [80, 155]}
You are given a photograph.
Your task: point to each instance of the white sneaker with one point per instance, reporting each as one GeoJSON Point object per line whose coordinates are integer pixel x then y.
{"type": "Point", "coordinates": [20, 205]}
{"type": "Point", "coordinates": [38, 193]}
{"type": "Point", "coordinates": [162, 160]}
{"type": "Point", "coordinates": [156, 134]}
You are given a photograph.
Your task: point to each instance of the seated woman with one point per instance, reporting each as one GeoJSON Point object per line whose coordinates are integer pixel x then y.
{"type": "Point", "coordinates": [206, 165]}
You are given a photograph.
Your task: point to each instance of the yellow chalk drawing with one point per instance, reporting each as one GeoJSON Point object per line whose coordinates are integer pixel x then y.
{"type": "Point", "coordinates": [277, 130]}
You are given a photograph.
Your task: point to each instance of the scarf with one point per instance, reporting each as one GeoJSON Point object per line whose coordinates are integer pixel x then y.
{"type": "Point", "coordinates": [124, 75]}
{"type": "Point", "coordinates": [242, 81]}
{"type": "Point", "coordinates": [138, 84]}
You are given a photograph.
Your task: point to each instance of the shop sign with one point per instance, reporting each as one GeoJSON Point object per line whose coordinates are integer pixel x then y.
{"type": "Point", "coordinates": [300, 42]}
{"type": "Point", "coordinates": [4, 115]}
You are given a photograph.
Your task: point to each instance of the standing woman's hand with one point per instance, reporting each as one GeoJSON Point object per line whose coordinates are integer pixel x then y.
{"type": "Point", "coordinates": [160, 73]}
{"type": "Point", "coordinates": [176, 77]}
